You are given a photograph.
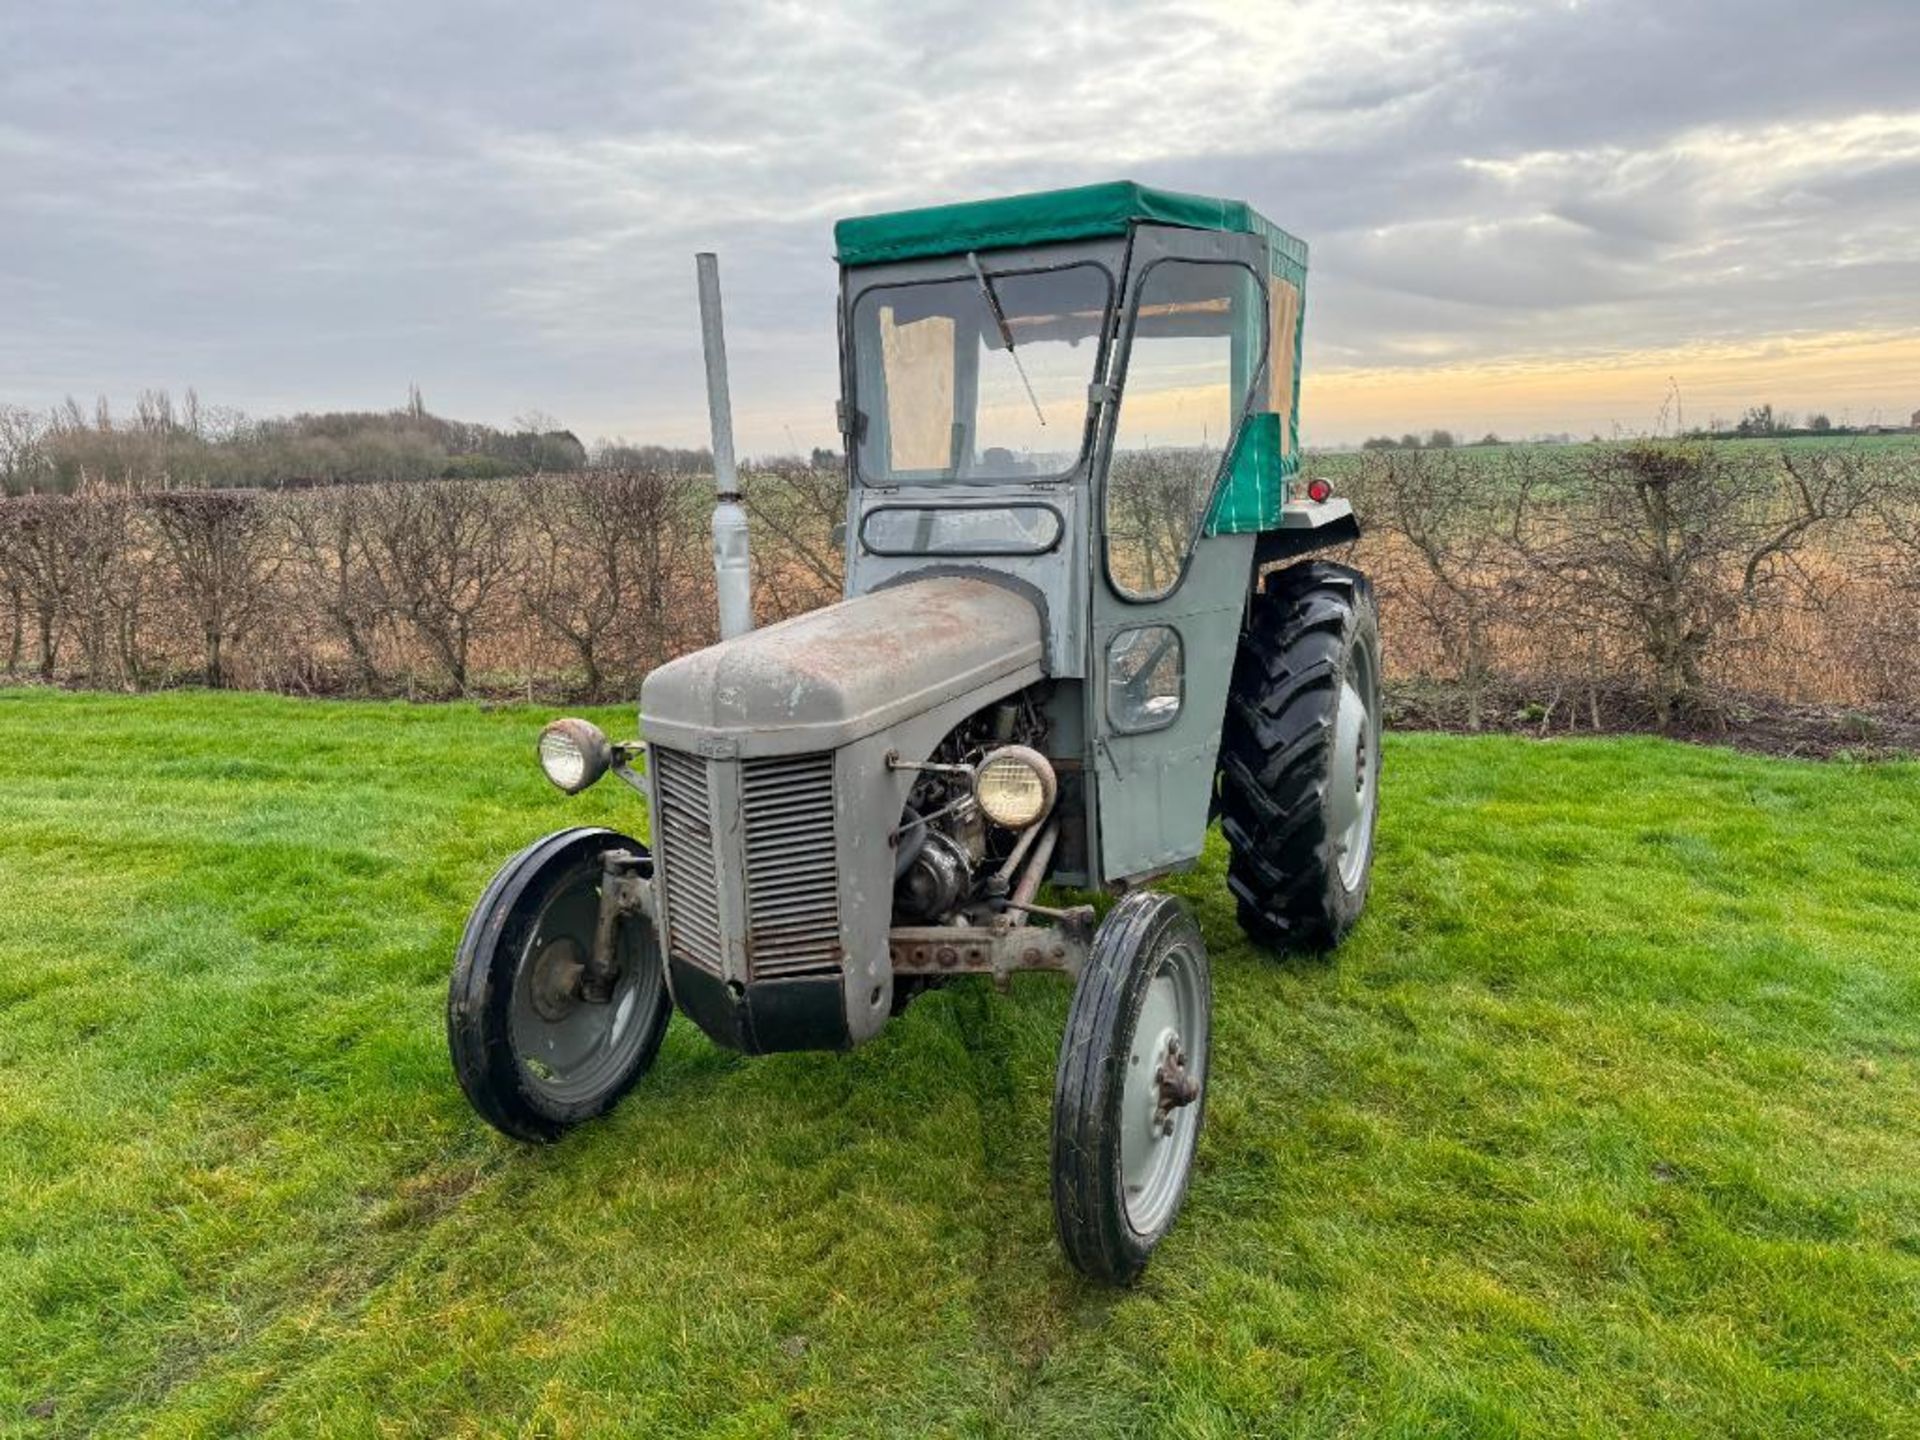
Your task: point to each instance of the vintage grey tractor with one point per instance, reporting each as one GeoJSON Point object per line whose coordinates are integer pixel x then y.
{"type": "Point", "coordinates": [1079, 625]}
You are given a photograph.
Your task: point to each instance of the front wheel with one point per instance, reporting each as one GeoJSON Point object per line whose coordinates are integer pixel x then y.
{"type": "Point", "coordinates": [535, 1051]}
{"type": "Point", "coordinates": [1131, 1090]}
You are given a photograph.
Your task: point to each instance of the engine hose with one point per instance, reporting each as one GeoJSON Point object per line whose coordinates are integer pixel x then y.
{"type": "Point", "coordinates": [913, 839]}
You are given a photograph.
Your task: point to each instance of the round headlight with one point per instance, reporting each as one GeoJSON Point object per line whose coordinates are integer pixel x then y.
{"type": "Point", "coordinates": [574, 754]}
{"type": "Point", "coordinates": [1015, 786]}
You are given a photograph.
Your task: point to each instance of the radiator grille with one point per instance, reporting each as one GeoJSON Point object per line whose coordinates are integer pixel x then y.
{"type": "Point", "coordinates": [793, 882]}
{"type": "Point", "coordinates": [684, 833]}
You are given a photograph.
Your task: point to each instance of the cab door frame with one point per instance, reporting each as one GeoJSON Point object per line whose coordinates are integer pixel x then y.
{"type": "Point", "coordinates": [1153, 791]}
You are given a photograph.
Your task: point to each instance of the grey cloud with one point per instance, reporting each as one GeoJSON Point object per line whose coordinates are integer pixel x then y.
{"type": "Point", "coordinates": [314, 206]}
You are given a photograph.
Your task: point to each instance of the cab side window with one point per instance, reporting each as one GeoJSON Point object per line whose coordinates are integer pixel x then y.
{"type": "Point", "coordinates": [1198, 334]}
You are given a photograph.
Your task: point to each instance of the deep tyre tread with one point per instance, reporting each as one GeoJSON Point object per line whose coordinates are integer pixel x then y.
{"type": "Point", "coordinates": [1089, 1210]}
{"type": "Point", "coordinates": [1305, 631]}
{"type": "Point", "coordinates": [480, 994]}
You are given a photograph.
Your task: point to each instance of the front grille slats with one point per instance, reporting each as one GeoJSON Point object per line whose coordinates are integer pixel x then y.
{"type": "Point", "coordinates": [793, 880]}
{"type": "Point", "coordinates": [684, 831]}
{"type": "Point", "coordinates": [791, 871]}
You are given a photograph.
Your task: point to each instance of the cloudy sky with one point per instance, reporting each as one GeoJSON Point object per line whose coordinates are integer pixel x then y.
{"type": "Point", "coordinates": [1523, 217]}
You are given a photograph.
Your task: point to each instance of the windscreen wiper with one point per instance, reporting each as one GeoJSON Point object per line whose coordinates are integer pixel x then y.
{"type": "Point", "coordinates": [1006, 330]}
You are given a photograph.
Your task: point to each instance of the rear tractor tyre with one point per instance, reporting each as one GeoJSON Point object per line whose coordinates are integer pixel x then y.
{"type": "Point", "coordinates": [1130, 1093]}
{"type": "Point", "coordinates": [534, 1051]}
{"type": "Point", "coordinates": [1299, 775]}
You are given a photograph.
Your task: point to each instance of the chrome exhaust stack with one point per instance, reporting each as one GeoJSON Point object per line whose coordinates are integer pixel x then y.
{"type": "Point", "coordinates": [732, 566]}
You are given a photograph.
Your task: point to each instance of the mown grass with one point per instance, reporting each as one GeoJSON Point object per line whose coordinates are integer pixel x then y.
{"type": "Point", "coordinates": [1604, 1122]}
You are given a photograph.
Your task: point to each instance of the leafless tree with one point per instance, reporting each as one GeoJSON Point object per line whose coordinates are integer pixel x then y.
{"type": "Point", "coordinates": [333, 571]}
{"type": "Point", "coordinates": [110, 577]}
{"type": "Point", "coordinates": [1156, 499]}
{"type": "Point", "coordinates": [612, 560]}
{"type": "Point", "coordinates": [36, 556]}
{"type": "Point", "coordinates": [445, 551]}
{"type": "Point", "coordinates": [12, 588]}
{"type": "Point", "coordinates": [24, 461]}
{"type": "Point", "coordinates": [16, 614]}
{"type": "Point", "coordinates": [222, 549]}
{"type": "Point", "coordinates": [1888, 557]}
{"type": "Point", "coordinates": [795, 510]}
{"type": "Point", "coordinates": [1667, 543]}
{"type": "Point", "coordinates": [1452, 514]}
{"type": "Point", "coordinates": [1896, 508]}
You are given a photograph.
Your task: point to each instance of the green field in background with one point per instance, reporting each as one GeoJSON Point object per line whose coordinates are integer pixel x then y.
{"type": "Point", "coordinates": [1905, 447]}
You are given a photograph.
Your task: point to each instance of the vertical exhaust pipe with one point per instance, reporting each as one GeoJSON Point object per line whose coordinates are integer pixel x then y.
{"type": "Point", "coordinates": [732, 569]}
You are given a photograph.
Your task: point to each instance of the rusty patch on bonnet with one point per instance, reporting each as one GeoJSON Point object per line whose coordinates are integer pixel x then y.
{"type": "Point", "coordinates": [856, 664]}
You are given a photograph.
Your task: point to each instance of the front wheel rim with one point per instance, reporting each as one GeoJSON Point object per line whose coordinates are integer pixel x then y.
{"type": "Point", "coordinates": [571, 1051]}
{"type": "Point", "coordinates": [1157, 1139]}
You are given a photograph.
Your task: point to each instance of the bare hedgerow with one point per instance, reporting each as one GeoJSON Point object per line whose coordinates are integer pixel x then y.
{"type": "Point", "coordinates": [76, 577]}
{"type": "Point", "coordinates": [1617, 574]}
{"type": "Point", "coordinates": [333, 574]}
{"type": "Point", "coordinates": [794, 511]}
{"type": "Point", "coordinates": [615, 568]}
{"type": "Point", "coordinates": [113, 579]}
{"type": "Point", "coordinates": [93, 522]}
{"type": "Point", "coordinates": [36, 556]}
{"type": "Point", "coordinates": [445, 555]}
{"type": "Point", "coordinates": [1896, 506]}
{"type": "Point", "coordinates": [13, 608]}
{"type": "Point", "coordinates": [1452, 514]}
{"type": "Point", "coordinates": [1156, 499]}
{"type": "Point", "coordinates": [220, 551]}
{"type": "Point", "coordinates": [1890, 556]}
{"type": "Point", "coordinates": [1667, 544]}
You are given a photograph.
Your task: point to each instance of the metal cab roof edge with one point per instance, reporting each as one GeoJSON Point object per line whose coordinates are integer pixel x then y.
{"type": "Point", "coordinates": [1045, 217]}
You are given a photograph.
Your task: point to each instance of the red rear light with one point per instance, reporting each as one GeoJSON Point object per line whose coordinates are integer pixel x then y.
{"type": "Point", "coordinates": [1319, 491]}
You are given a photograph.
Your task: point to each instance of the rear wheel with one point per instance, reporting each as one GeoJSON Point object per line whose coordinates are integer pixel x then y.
{"type": "Point", "coordinates": [534, 1050]}
{"type": "Point", "coordinates": [1131, 1089]}
{"type": "Point", "coordinates": [1299, 781]}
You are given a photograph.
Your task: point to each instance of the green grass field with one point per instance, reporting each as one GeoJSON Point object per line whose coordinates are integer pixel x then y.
{"type": "Point", "coordinates": [1885, 455]}
{"type": "Point", "coordinates": [1606, 1121]}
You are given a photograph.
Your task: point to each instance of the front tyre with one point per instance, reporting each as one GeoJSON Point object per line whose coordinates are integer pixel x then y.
{"type": "Point", "coordinates": [533, 1051]}
{"type": "Point", "coordinates": [1131, 1089]}
{"type": "Point", "coordinates": [1299, 782]}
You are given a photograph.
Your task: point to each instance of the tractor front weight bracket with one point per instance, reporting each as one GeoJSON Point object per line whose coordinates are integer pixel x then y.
{"type": "Point", "coordinates": [625, 889]}
{"type": "Point", "coordinates": [999, 949]}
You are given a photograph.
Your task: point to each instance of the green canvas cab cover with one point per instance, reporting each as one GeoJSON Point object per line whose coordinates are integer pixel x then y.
{"type": "Point", "coordinates": [1041, 218]}
{"type": "Point", "coordinates": [1267, 456]}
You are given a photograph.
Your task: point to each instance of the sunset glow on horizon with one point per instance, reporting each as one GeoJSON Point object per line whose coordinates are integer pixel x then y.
{"type": "Point", "coordinates": [1856, 378]}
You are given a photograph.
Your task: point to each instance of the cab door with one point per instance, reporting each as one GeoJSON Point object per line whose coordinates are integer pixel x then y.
{"type": "Point", "coordinates": [1169, 599]}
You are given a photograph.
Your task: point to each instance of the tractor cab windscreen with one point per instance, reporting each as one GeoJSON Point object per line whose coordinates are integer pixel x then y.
{"type": "Point", "coordinates": [980, 377]}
